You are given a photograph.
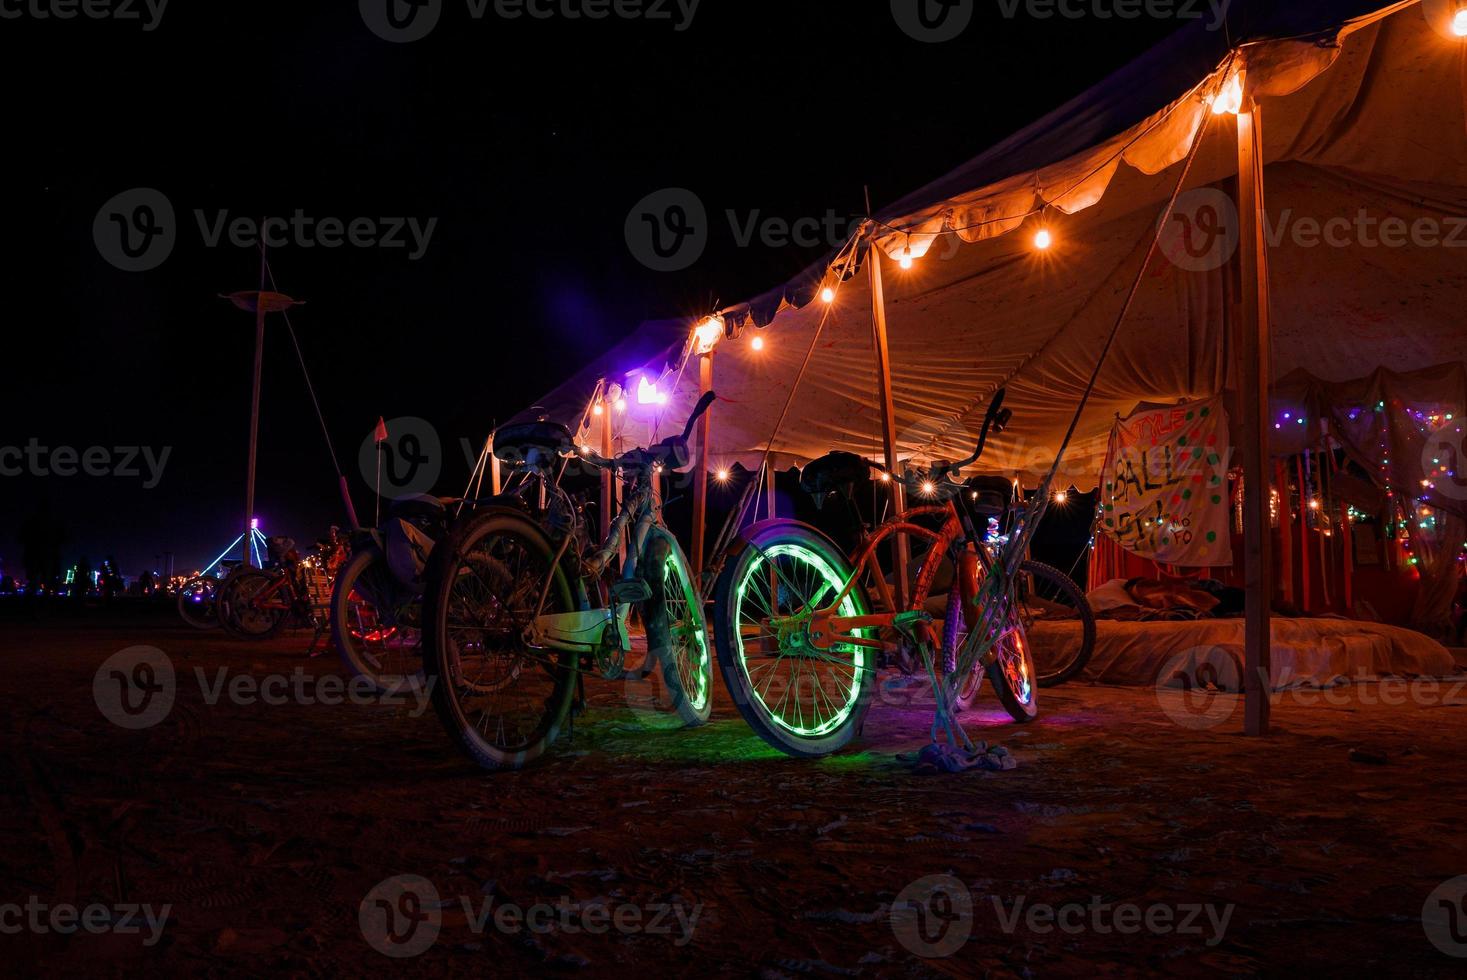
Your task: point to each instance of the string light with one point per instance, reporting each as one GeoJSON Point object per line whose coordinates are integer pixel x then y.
{"type": "Point", "coordinates": [886, 478]}
{"type": "Point", "coordinates": [721, 476]}
{"type": "Point", "coordinates": [1230, 99]}
{"type": "Point", "coordinates": [708, 334]}
{"type": "Point", "coordinates": [827, 295]}
{"type": "Point", "coordinates": [621, 405]}
{"type": "Point", "coordinates": [757, 343]}
{"type": "Point", "coordinates": [928, 488]}
{"type": "Point", "coordinates": [1459, 22]}
{"type": "Point", "coordinates": [1043, 239]}
{"type": "Point", "coordinates": [597, 409]}
{"type": "Point", "coordinates": [906, 260]}
{"type": "Point", "coordinates": [1061, 496]}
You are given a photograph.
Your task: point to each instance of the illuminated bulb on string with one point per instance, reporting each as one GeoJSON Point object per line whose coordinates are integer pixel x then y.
{"type": "Point", "coordinates": [906, 260]}
{"type": "Point", "coordinates": [757, 343]}
{"type": "Point", "coordinates": [827, 295]}
{"type": "Point", "coordinates": [1061, 496]}
{"type": "Point", "coordinates": [721, 476]}
{"type": "Point", "coordinates": [597, 409]}
{"type": "Point", "coordinates": [1459, 23]}
{"type": "Point", "coordinates": [1043, 239]}
{"type": "Point", "coordinates": [886, 478]}
{"type": "Point", "coordinates": [928, 488]}
{"type": "Point", "coordinates": [621, 405]}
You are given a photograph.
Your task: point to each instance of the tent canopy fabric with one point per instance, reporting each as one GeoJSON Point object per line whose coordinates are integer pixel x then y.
{"type": "Point", "coordinates": [1365, 143]}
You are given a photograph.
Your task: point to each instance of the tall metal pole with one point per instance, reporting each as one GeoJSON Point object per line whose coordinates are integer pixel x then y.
{"type": "Point", "coordinates": [700, 471]}
{"type": "Point", "coordinates": [1253, 351]}
{"type": "Point", "coordinates": [255, 404]}
{"type": "Point", "coordinates": [902, 549]}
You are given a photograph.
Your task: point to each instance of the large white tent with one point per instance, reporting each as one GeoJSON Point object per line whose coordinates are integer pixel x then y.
{"type": "Point", "coordinates": [1363, 121]}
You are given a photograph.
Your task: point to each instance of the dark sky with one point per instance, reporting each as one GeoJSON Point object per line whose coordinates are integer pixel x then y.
{"type": "Point", "coordinates": [527, 140]}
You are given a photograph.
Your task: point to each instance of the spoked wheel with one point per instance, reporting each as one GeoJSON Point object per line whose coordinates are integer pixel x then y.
{"type": "Point", "coordinates": [502, 700]}
{"type": "Point", "coordinates": [954, 629]}
{"type": "Point", "coordinates": [1047, 594]}
{"type": "Point", "coordinates": [677, 635]}
{"type": "Point", "coordinates": [801, 699]}
{"type": "Point", "coordinates": [197, 602]}
{"type": "Point", "coordinates": [1012, 672]}
{"type": "Point", "coordinates": [376, 624]}
{"type": "Point", "coordinates": [248, 607]}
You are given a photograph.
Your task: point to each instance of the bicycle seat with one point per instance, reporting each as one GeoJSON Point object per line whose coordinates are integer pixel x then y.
{"type": "Point", "coordinates": [417, 507]}
{"type": "Point", "coordinates": [513, 443]}
{"type": "Point", "coordinates": [832, 473]}
{"type": "Point", "coordinates": [671, 454]}
{"type": "Point", "coordinates": [991, 496]}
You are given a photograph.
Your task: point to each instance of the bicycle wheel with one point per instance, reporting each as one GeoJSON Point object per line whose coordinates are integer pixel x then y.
{"type": "Point", "coordinates": [954, 629]}
{"type": "Point", "coordinates": [677, 634]}
{"type": "Point", "coordinates": [375, 624]}
{"type": "Point", "coordinates": [198, 601]}
{"type": "Point", "coordinates": [1048, 594]}
{"type": "Point", "coordinates": [1012, 671]}
{"type": "Point", "coordinates": [244, 608]}
{"type": "Point", "coordinates": [801, 700]}
{"type": "Point", "coordinates": [501, 700]}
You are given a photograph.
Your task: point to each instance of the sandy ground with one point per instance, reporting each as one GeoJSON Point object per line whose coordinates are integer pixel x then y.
{"type": "Point", "coordinates": [268, 828]}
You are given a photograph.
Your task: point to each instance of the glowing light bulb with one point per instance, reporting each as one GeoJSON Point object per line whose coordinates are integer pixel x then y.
{"type": "Point", "coordinates": [906, 260]}
{"type": "Point", "coordinates": [1459, 23]}
{"type": "Point", "coordinates": [1230, 99]}
{"type": "Point", "coordinates": [928, 488]}
{"type": "Point", "coordinates": [708, 334]}
{"type": "Point", "coordinates": [597, 409]}
{"type": "Point", "coordinates": [1060, 496]}
{"type": "Point", "coordinates": [827, 295]}
{"type": "Point", "coordinates": [585, 450]}
{"type": "Point", "coordinates": [1314, 505]}
{"type": "Point", "coordinates": [722, 476]}
{"type": "Point", "coordinates": [1043, 239]}
{"type": "Point", "coordinates": [647, 393]}
{"type": "Point", "coordinates": [757, 343]}
{"type": "Point", "coordinates": [886, 478]}
{"type": "Point", "coordinates": [621, 405]}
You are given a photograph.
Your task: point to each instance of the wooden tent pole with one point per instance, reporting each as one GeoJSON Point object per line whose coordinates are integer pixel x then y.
{"type": "Point", "coordinates": [700, 472]}
{"type": "Point", "coordinates": [608, 478]}
{"type": "Point", "coordinates": [1253, 350]}
{"type": "Point", "coordinates": [769, 489]}
{"type": "Point", "coordinates": [902, 549]}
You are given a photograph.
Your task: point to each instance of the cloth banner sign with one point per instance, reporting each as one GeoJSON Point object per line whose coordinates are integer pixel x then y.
{"type": "Point", "coordinates": [1164, 486]}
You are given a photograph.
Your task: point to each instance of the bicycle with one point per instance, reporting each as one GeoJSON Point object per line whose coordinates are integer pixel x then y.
{"type": "Point", "coordinates": [257, 603]}
{"type": "Point", "coordinates": [796, 636]}
{"type": "Point", "coordinates": [198, 600]}
{"type": "Point", "coordinates": [377, 596]}
{"type": "Point", "coordinates": [518, 610]}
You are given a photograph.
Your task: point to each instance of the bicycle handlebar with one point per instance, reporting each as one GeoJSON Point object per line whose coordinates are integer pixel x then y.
{"type": "Point", "coordinates": [703, 403]}
{"type": "Point", "coordinates": [996, 419]}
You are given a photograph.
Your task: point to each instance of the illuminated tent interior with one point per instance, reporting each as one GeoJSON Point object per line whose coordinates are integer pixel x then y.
{"type": "Point", "coordinates": [1364, 118]}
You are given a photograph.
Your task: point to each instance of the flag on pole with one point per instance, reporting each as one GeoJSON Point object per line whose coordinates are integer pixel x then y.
{"type": "Point", "coordinates": [381, 433]}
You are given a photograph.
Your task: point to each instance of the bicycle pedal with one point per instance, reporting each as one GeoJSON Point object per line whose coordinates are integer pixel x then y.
{"type": "Point", "coordinates": [629, 591]}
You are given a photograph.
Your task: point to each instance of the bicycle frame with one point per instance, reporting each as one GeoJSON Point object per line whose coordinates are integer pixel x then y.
{"type": "Point", "coordinates": [585, 630]}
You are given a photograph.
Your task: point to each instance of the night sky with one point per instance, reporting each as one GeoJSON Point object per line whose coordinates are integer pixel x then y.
{"type": "Point", "coordinates": [526, 141]}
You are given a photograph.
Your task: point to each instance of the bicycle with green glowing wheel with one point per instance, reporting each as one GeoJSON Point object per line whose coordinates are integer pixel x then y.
{"type": "Point", "coordinates": [800, 647]}
{"type": "Point", "coordinates": [519, 607]}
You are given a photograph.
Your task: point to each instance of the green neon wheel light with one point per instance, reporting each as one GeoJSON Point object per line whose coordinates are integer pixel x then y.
{"type": "Point", "coordinates": [694, 669]}
{"type": "Point", "coordinates": [816, 582]}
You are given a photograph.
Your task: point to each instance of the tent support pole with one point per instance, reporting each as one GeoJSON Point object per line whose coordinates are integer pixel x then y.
{"type": "Point", "coordinates": [608, 478]}
{"type": "Point", "coordinates": [901, 550]}
{"type": "Point", "coordinates": [255, 403]}
{"type": "Point", "coordinates": [700, 472]}
{"type": "Point", "coordinates": [769, 489]}
{"type": "Point", "coordinates": [496, 479]}
{"type": "Point", "coordinates": [1253, 351]}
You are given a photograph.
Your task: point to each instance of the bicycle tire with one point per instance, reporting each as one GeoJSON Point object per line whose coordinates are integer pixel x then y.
{"type": "Point", "coordinates": [1052, 672]}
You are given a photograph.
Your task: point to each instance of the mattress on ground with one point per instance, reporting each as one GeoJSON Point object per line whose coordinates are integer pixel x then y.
{"type": "Point", "coordinates": [1306, 652]}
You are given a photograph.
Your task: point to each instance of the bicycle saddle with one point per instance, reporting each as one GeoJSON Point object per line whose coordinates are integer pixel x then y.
{"type": "Point", "coordinates": [991, 496]}
{"type": "Point", "coordinates": [832, 473]}
{"type": "Point", "coordinates": [417, 507]}
{"type": "Point", "coordinates": [513, 443]}
{"type": "Point", "coordinates": [671, 454]}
